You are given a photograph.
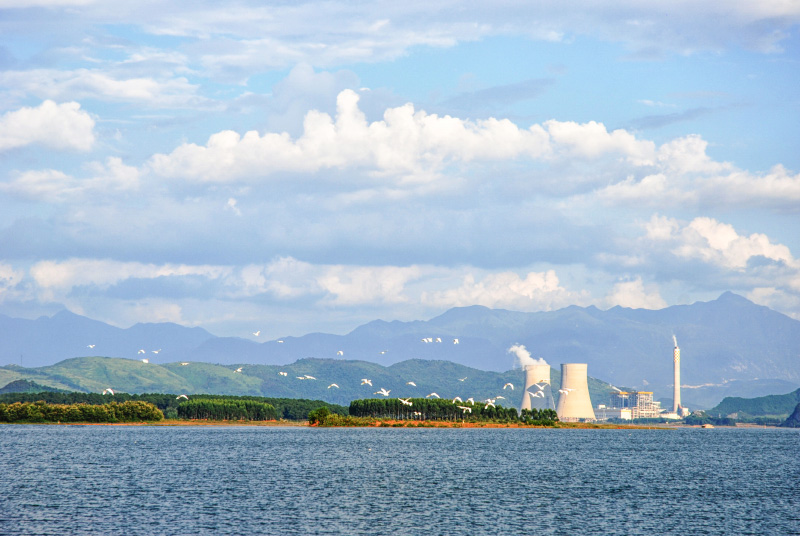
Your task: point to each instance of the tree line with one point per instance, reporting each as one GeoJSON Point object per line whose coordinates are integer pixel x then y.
{"type": "Point", "coordinates": [40, 411]}
{"type": "Point", "coordinates": [226, 409]}
{"type": "Point", "coordinates": [430, 410]}
{"type": "Point", "coordinates": [285, 408]}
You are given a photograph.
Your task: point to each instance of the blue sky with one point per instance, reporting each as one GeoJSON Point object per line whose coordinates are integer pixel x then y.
{"type": "Point", "coordinates": [312, 166]}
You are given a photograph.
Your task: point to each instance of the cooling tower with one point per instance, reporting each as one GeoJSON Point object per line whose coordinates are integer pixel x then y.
{"type": "Point", "coordinates": [537, 380]}
{"type": "Point", "coordinates": [676, 390]}
{"type": "Point", "coordinates": [573, 398]}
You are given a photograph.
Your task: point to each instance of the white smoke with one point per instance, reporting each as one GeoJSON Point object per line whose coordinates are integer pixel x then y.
{"type": "Point", "coordinates": [675, 339]}
{"type": "Point", "coordinates": [524, 356]}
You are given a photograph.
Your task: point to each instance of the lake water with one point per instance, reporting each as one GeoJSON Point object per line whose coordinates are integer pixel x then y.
{"type": "Point", "coordinates": [133, 480]}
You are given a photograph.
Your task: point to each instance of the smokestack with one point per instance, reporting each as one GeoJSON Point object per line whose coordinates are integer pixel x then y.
{"type": "Point", "coordinates": [676, 363]}
{"type": "Point", "coordinates": [574, 402]}
{"type": "Point", "coordinates": [537, 380]}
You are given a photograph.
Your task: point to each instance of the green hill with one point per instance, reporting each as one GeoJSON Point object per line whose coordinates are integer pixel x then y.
{"type": "Point", "coordinates": [27, 386]}
{"type": "Point", "coordinates": [309, 378]}
{"type": "Point", "coordinates": [772, 405]}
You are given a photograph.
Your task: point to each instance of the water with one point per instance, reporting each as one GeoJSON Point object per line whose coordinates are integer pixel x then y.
{"type": "Point", "coordinates": [268, 480]}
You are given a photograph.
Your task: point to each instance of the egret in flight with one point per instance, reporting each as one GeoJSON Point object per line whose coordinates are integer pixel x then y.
{"type": "Point", "coordinates": [257, 333]}
{"type": "Point", "coordinates": [181, 396]}
{"type": "Point", "coordinates": [333, 385]}
{"type": "Point", "coordinates": [462, 379]}
{"type": "Point", "coordinates": [308, 377]}
{"type": "Point", "coordinates": [283, 373]}
{"type": "Point", "coordinates": [509, 385]}
{"type": "Point", "coordinates": [156, 351]}
{"type": "Point", "coordinates": [366, 381]}
{"type": "Point", "coordinates": [412, 384]}
{"type": "Point", "coordinates": [145, 360]}
{"type": "Point", "coordinates": [406, 401]}
{"type": "Point", "coordinates": [184, 363]}
{"type": "Point", "coordinates": [238, 369]}
{"type": "Point", "coordinates": [464, 409]}
{"type": "Point", "coordinates": [109, 391]}
{"type": "Point", "coordinates": [141, 351]}
{"type": "Point", "coordinates": [433, 394]}
{"type": "Point", "coordinates": [90, 346]}
{"type": "Point", "coordinates": [383, 392]}
{"type": "Point", "coordinates": [340, 352]}
{"type": "Point", "coordinates": [457, 398]}
{"type": "Point", "coordinates": [455, 341]}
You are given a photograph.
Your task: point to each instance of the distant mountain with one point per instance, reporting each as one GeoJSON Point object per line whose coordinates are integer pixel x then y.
{"type": "Point", "coordinates": [26, 386]}
{"type": "Point", "coordinates": [760, 406]}
{"type": "Point", "coordinates": [729, 346]}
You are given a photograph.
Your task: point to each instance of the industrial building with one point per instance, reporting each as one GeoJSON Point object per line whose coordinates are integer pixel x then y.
{"type": "Point", "coordinates": [574, 403]}
{"type": "Point", "coordinates": [537, 393]}
{"type": "Point", "coordinates": [639, 403]}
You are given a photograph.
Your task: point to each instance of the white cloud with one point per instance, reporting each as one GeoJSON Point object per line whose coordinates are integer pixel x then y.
{"type": "Point", "coordinates": [537, 291]}
{"type": "Point", "coordinates": [592, 140]}
{"type": "Point", "coordinates": [717, 243]}
{"type": "Point", "coordinates": [367, 285]}
{"type": "Point", "coordinates": [633, 294]}
{"type": "Point", "coordinates": [98, 84]}
{"type": "Point", "coordinates": [58, 126]}
{"type": "Point", "coordinates": [54, 186]}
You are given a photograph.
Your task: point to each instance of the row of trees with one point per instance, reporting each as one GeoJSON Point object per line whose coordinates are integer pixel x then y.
{"type": "Point", "coordinates": [40, 411]}
{"type": "Point", "coordinates": [429, 409]}
{"type": "Point", "coordinates": [227, 409]}
{"type": "Point", "coordinates": [285, 408]}
{"type": "Point", "coordinates": [543, 417]}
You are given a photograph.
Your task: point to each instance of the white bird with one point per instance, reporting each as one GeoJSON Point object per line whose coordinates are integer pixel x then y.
{"type": "Point", "coordinates": [257, 333]}
{"type": "Point", "coordinates": [464, 409]}
{"type": "Point", "coordinates": [283, 373]}
{"type": "Point", "coordinates": [462, 379]}
{"type": "Point", "coordinates": [383, 392]}
{"type": "Point", "coordinates": [384, 351]}
{"type": "Point", "coordinates": [333, 385]}
{"type": "Point", "coordinates": [417, 413]}
{"type": "Point", "coordinates": [537, 394]}
{"type": "Point", "coordinates": [366, 381]}
{"type": "Point", "coordinates": [509, 385]}
{"type": "Point", "coordinates": [141, 351]}
{"type": "Point", "coordinates": [300, 377]}
{"type": "Point", "coordinates": [238, 369]}
{"type": "Point", "coordinates": [108, 391]}
{"type": "Point", "coordinates": [411, 384]}
{"type": "Point", "coordinates": [563, 391]}
{"type": "Point", "coordinates": [539, 386]}
{"type": "Point", "coordinates": [433, 394]}
{"type": "Point", "coordinates": [145, 360]}
{"type": "Point", "coordinates": [406, 401]}
{"type": "Point", "coordinates": [438, 339]}
{"type": "Point", "coordinates": [489, 404]}
{"type": "Point", "coordinates": [455, 341]}
{"type": "Point", "coordinates": [184, 363]}
{"type": "Point", "coordinates": [340, 352]}
{"type": "Point", "coordinates": [156, 351]}
{"type": "Point", "coordinates": [280, 341]}
{"type": "Point", "coordinates": [471, 400]}
{"type": "Point", "coordinates": [499, 397]}
{"type": "Point", "coordinates": [181, 396]}
{"type": "Point", "coordinates": [457, 398]}
{"type": "Point", "coordinates": [308, 377]}
{"type": "Point", "coordinates": [90, 346]}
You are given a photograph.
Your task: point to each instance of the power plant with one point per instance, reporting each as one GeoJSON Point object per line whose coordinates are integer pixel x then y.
{"type": "Point", "coordinates": [574, 403]}
{"type": "Point", "coordinates": [537, 393]}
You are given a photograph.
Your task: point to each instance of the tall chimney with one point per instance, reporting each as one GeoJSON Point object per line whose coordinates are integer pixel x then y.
{"type": "Point", "coordinates": [676, 390]}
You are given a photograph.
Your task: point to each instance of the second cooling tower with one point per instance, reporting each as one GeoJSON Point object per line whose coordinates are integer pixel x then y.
{"type": "Point", "coordinates": [574, 403]}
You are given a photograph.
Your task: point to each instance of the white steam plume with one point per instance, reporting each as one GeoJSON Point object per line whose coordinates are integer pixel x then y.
{"type": "Point", "coordinates": [675, 339]}
{"type": "Point", "coordinates": [524, 356]}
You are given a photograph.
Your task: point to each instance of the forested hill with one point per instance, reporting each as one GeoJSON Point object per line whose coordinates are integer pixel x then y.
{"type": "Point", "coordinates": [761, 406]}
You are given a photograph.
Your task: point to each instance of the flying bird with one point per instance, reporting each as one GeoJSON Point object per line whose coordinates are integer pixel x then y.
{"type": "Point", "coordinates": [509, 385]}
{"type": "Point", "coordinates": [537, 394]}
{"type": "Point", "coordinates": [184, 363]}
{"type": "Point", "coordinates": [340, 352]}
{"type": "Point", "coordinates": [464, 409]}
{"type": "Point", "coordinates": [457, 398]}
{"type": "Point", "coordinates": [539, 386]}
{"type": "Point", "coordinates": [145, 360]}
{"type": "Point", "coordinates": [489, 403]}
{"type": "Point", "coordinates": [433, 394]}
{"type": "Point", "coordinates": [406, 401]}
{"type": "Point", "coordinates": [384, 351]}
{"type": "Point", "coordinates": [462, 379]}
{"type": "Point", "coordinates": [280, 341]}
{"type": "Point", "coordinates": [238, 369]}
{"type": "Point", "coordinates": [411, 384]}
{"type": "Point", "coordinates": [333, 385]}
{"type": "Point", "coordinates": [156, 351]}
{"type": "Point", "coordinates": [438, 339]}
{"type": "Point", "coordinates": [471, 400]}
{"type": "Point", "coordinates": [499, 397]}
{"type": "Point", "coordinates": [257, 333]}
{"type": "Point", "coordinates": [109, 391]}
{"type": "Point", "coordinates": [383, 392]}
{"type": "Point", "coordinates": [90, 346]}
{"type": "Point", "coordinates": [300, 377]}
{"type": "Point", "coordinates": [455, 341]}
{"type": "Point", "coordinates": [564, 391]}
{"type": "Point", "coordinates": [181, 396]}
{"type": "Point", "coordinates": [308, 377]}
{"type": "Point", "coordinates": [141, 351]}
{"type": "Point", "coordinates": [283, 373]}
{"type": "Point", "coordinates": [366, 381]}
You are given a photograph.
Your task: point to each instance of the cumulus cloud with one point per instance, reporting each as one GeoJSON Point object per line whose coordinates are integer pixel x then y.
{"type": "Point", "coordinates": [633, 294]}
{"type": "Point", "coordinates": [58, 126]}
{"type": "Point", "coordinates": [537, 291]}
{"type": "Point", "coordinates": [716, 243]}
{"type": "Point", "coordinates": [592, 140]}
{"type": "Point", "coordinates": [55, 186]}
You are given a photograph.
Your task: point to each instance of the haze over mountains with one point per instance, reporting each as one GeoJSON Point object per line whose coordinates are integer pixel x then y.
{"type": "Point", "coordinates": [729, 346]}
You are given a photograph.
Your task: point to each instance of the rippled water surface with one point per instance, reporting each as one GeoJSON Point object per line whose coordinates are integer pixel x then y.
{"type": "Point", "coordinates": [270, 480]}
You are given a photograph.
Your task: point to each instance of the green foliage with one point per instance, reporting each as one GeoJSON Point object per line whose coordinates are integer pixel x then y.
{"type": "Point", "coordinates": [794, 419]}
{"type": "Point", "coordinates": [318, 415]}
{"type": "Point", "coordinates": [539, 417]}
{"type": "Point", "coordinates": [40, 411]}
{"type": "Point", "coordinates": [226, 409]}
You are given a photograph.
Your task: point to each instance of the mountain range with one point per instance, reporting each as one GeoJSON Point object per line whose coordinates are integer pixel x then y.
{"type": "Point", "coordinates": [729, 346]}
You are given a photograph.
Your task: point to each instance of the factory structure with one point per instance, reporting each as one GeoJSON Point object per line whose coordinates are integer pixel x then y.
{"type": "Point", "coordinates": [574, 403]}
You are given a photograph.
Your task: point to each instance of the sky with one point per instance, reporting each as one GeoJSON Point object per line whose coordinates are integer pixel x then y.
{"type": "Point", "coordinates": [297, 167]}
